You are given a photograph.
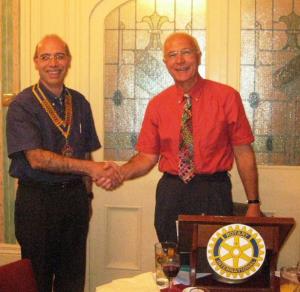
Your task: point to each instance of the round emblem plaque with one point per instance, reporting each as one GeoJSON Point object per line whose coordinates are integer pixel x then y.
{"type": "Point", "coordinates": [235, 252]}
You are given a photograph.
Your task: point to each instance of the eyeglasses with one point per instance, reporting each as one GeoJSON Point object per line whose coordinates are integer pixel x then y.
{"type": "Point", "coordinates": [183, 53]}
{"type": "Point", "coordinates": [48, 57]}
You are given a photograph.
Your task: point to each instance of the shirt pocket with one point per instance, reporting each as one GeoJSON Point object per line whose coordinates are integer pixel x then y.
{"type": "Point", "coordinates": [213, 136]}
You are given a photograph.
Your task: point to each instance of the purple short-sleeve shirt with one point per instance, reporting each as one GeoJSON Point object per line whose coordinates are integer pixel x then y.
{"type": "Point", "coordinates": [30, 127]}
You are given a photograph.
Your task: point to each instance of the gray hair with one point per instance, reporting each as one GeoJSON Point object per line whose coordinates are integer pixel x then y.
{"type": "Point", "coordinates": [190, 37]}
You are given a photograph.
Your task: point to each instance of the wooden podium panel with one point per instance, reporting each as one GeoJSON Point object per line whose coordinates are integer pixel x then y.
{"type": "Point", "coordinates": [196, 230]}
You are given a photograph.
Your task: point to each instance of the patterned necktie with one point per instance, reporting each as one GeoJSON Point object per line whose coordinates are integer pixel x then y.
{"type": "Point", "coordinates": [186, 146]}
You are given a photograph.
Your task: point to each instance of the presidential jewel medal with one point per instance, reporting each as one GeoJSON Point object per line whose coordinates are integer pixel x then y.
{"type": "Point", "coordinates": [67, 150]}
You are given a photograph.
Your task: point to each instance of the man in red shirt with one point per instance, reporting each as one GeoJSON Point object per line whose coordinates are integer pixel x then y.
{"type": "Point", "coordinates": [221, 133]}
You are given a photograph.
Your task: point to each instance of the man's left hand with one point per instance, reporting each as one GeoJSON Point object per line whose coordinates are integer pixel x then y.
{"type": "Point", "coordinates": [254, 211]}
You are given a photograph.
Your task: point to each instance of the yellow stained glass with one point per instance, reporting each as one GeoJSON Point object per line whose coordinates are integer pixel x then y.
{"type": "Point", "coordinates": [263, 13]}
{"type": "Point", "coordinates": [166, 8]}
{"type": "Point", "coordinates": [183, 16]}
{"type": "Point", "coordinates": [126, 15]}
{"type": "Point", "coordinates": [111, 46]}
{"type": "Point", "coordinates": [128, 39]}
{"type": "Point", "coordinates": [199, 14]}
{"type": "Point", "coordinates": [248, 14]}
{"type": "Point", "coordinates": [144, 8]}
{"type": "Point", "coordinates": [112, 21]}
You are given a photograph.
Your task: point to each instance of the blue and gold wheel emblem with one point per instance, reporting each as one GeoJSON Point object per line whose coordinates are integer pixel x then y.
{"type": "Point", "coordinates": [236, 252]}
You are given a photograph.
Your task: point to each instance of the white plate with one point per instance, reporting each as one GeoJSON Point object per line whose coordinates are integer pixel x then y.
{"type": "Point", "coordinates": [193, 289]}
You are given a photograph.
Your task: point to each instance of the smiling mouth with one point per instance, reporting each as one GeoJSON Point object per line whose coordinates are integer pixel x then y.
{"type": "Point", "coordinates": [183, 69]}
{"type": "Point", "coordinates": [54, 73]}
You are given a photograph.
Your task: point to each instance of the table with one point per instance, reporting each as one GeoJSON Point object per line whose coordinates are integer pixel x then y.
{"type": "Point", "coordinates": [144, 282]}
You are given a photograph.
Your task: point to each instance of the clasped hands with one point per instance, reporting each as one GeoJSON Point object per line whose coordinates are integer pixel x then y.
{"type": "Point", "coordinates": [107, 175]}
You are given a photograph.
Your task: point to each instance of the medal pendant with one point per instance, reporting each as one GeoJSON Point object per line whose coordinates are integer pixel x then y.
{"type": "Point", "coordinates": [67, 150]}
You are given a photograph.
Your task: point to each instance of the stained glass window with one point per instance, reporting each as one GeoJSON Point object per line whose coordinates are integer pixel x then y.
{"type": "Point", "coordinates": [134, 70]}
{"type": "Point", "coordinates": [270, 77]}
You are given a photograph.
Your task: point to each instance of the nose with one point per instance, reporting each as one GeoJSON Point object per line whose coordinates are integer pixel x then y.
{"type": "Point", "coordinates": [52, 61]}
{"type": "Point", "coordinates": [179, 58]}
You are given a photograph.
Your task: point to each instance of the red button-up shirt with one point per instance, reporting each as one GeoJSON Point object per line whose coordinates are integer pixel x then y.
{"type": "Point", "coordinates": [219, 123]}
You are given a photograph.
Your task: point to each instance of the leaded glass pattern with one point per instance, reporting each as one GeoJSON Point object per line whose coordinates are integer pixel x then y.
{"type": "Point", "coordinates": [270, 77]}
{"type": "Point", "coordinates": [134, 70]}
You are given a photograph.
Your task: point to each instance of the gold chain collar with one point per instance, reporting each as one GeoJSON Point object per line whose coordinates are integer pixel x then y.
{"type": "Point", "coordinates": [64, 126]}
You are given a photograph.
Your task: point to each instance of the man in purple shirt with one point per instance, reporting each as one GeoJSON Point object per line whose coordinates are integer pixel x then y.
{"type": "Point", "coordinates": [50, 137]}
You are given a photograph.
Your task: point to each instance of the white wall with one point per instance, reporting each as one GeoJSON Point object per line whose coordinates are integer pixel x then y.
{"type": "Point", "coordinates": [279, 191]}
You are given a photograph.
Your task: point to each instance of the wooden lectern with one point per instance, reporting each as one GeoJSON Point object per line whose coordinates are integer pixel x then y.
{"type": "Point", "coordinates": [195, 232]}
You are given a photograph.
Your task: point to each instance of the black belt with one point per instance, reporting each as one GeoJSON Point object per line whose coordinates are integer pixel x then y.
{"type": "Point", "coordinates": [57, 186]}
{"type": "Point", "coordinates": [202, 176]}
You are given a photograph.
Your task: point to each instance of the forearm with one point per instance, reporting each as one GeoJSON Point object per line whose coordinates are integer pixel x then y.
{"type": "Point", "coordinates": [249, 178]}
{"type": "Point", "coordinates": [52, 162]}
{"type": "Point", "coordinates": [246, 165]}
{"type": "Point", "coordinates": [87, 179]}
{"type": "Point", "coordinates": [97, 171]}
{"type": "Point", "coordinates": [138, 165]}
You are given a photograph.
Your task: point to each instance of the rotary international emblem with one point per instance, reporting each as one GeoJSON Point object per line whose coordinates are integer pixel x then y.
{"type": "Point", "coordinates": [236, 252]}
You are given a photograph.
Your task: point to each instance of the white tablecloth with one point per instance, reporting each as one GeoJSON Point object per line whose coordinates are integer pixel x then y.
{"type": "Point", "coordinates": [141, 283]}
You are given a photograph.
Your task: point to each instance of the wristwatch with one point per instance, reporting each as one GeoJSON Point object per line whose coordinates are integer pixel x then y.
{"type": "Point", "coordinates": [256, 201]}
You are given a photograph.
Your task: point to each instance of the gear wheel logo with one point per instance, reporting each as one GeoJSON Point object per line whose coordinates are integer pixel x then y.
{"type": "Point", "coordinates": [236, 252]}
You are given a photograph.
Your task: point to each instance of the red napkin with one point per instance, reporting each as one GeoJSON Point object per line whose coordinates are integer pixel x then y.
{"type": "Point", "coordinates": [175, 288]}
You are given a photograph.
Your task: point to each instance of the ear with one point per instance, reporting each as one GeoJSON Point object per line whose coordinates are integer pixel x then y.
{"type": "Point", "coordinates": [69, 62]}
{"type": "Point", "coordinates": [199, 54]}
{"type": "Point", "coordinates": [35, 63]}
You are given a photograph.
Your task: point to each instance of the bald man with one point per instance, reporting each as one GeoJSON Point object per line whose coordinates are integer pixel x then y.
{"type": "Point", "coordinates": [50, 137]}
{"type": "Point", "coordinates": [194, 130]}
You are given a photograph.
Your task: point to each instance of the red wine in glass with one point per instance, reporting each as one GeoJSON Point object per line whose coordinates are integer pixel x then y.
{"type": "Point", "coordinates": [170, 262]}
{"type": "Point", "coordinates": [171, 270]}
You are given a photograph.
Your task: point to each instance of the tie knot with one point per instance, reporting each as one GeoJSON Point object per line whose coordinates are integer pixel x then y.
{"type": "Point", "coordinates": [187, 98]}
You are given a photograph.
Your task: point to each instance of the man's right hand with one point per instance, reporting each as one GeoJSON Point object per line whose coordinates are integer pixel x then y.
{"type": "Point", "coordinates": [107, 175]}
{"type": "Point", "coordinates": [114, 175]}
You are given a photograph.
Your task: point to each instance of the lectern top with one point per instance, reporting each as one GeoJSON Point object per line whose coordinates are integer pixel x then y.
{"type": "Point", "coordinates": [237, 219]}
{"type": "Point", "coordinates": [284, 224]}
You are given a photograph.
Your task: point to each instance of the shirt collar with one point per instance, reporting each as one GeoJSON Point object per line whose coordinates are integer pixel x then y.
{"type": "Point", "coordinates": [49, 94]}
{"type": "Point", "coordinates": [195, 91]}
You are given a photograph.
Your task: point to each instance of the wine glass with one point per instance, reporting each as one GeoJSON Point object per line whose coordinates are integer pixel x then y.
{"type": "Point", "coordinates": [170, 262]}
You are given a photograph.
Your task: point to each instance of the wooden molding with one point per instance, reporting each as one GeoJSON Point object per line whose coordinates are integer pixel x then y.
{"type": "Point", "coordinates": [7, 98]}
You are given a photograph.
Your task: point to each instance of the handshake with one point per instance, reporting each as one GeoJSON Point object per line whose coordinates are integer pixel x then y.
{"type": "Point", "coordinates": [107, 175]}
